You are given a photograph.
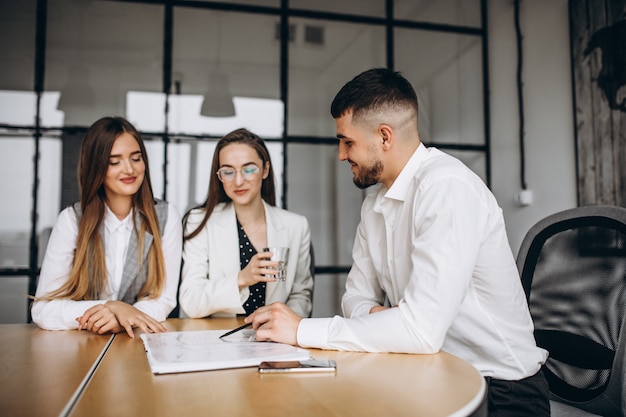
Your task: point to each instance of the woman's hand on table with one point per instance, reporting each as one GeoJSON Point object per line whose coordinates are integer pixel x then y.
{"type": "Point", "coordinates": [116, 317]}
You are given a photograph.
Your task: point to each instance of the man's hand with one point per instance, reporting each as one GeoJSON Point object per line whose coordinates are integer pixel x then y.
{"type": "Point", "coordinates": [275, 322]}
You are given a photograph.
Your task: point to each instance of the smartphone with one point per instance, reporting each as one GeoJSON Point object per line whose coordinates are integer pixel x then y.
{"type": "Point", "coordinates": [313, 365]}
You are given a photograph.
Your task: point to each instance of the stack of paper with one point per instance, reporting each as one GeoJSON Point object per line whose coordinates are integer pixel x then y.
{"type": "Point", "coordinates": [190, 351]}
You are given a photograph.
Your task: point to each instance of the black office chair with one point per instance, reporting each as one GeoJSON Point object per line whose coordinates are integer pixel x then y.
{"type": "Point", "coordinates": [573, 269]}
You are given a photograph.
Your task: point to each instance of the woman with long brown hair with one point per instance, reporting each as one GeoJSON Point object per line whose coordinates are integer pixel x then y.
{"type": "Point", "coordinates": [113, 258]}
{"type": "Point", "coordinates": [225, 271]}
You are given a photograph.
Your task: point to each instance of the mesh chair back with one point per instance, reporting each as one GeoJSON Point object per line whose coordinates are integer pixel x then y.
{"type": "Point", "coordinates": [573, 269]}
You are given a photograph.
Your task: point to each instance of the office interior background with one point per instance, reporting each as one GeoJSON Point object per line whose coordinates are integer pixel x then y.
{"type": "Point", "coordinates": [186, 72]}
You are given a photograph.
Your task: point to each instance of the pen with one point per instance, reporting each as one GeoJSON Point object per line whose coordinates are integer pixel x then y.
{"type": "Point", "coordinates": [228, 333]}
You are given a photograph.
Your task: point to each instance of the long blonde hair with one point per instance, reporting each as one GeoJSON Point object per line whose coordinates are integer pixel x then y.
{"type": "Point", "coordinates": [88, 276]}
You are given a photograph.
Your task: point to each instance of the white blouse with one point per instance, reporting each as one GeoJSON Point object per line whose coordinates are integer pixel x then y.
{"type": "Point", "coordinates": [61, 314]}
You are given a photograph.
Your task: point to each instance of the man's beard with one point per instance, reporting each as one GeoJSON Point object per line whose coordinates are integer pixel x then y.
{"type": "Point", "coordinates": [368, 175]}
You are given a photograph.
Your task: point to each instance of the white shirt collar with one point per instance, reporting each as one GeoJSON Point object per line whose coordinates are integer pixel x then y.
{"type": "Point", "coordinates": [112, 223]}
{"type": "Point", "coordinates": [400, 186]}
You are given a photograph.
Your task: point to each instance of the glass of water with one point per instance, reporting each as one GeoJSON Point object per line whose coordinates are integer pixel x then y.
{"type": "Point", "coordinates": [279, 255]}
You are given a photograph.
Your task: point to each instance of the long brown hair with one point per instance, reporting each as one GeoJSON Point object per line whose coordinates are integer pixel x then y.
{"type": "Point", "coordinates": [216, 192]}
{"type": "Point", "coordinates": [88, 276]}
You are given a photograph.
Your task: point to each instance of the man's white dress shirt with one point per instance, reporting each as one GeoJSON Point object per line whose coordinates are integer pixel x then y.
{"type": "Point", "coordinates": [434, 244]}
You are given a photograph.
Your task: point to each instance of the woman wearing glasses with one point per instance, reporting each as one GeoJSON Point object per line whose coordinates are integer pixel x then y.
{"type": "Point", "coordinates": [225, 271]}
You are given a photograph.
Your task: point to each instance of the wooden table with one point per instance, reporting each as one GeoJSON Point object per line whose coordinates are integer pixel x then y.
{"type": "Point", "coordinates": [366, 384]}
{"type": "Point", "coordinates": [42, 372]}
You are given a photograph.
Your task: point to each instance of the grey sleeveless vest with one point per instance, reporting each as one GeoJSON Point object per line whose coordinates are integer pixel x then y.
{"type": "Point", "coordinates": [134, 278]}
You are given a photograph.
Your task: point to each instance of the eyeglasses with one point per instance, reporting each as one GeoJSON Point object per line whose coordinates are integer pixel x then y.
{"type": "Point", "coordinates": [227, 174]}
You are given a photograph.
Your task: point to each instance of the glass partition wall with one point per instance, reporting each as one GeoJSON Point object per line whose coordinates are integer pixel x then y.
{"type": "Point", "coordinates": [187, 72]}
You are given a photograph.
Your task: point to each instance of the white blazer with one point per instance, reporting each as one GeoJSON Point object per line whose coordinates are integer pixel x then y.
{"type": "Point", "coordinates": [211, 263]}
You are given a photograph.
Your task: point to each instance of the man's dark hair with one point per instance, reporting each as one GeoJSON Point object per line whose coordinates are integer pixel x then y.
{"type": "Point", "coordinates": [374, 89]}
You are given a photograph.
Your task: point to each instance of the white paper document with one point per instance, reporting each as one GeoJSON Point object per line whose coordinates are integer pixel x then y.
{"type": "Point", "coordinates": [203, 350]}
